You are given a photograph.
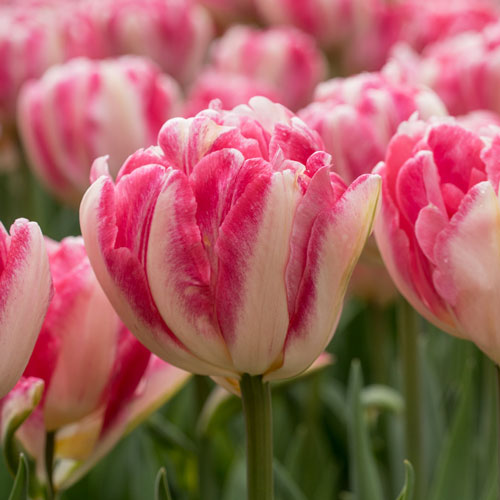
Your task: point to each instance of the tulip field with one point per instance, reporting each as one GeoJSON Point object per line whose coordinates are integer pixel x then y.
{"type": "Point", "coordinates": [249, 249]}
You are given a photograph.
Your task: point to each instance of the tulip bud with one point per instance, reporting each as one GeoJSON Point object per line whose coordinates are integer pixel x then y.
{"type": "Point", "coordinates": [98, 379]}
{"type": "Point", "coordinates": [83, 109]}
{"type": "Point", "coordinates": [439, 224]}
{"type": "Point", "coordinates": [174, 34]}
{"type": "Point", "coordinates": [285, 59]}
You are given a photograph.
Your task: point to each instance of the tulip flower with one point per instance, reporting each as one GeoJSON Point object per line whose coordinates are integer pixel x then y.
{"type": "Point", "coordinates": [227, 249]}
{"type": "Point", "coordinates": [98, 379]}
{"type": "Point", "coordinates": [29, 45]}
{"type": "Point", "coordinates": [464, 84]}
{"type": "Point", "coordinates": [357, 116]}
{"type": "Point", "coordinates": [439, 224]}
{"type": "Point", "coordinates": [174, 34]}
{"type": "Point", "coordinates": [84, 109]}
{"type": "Point", "coordinates": [230, 89]}
{"type": "Point", "coordinates": [25, 286]}
{"type": "Point", "coordinates": [210, 269]}
{"type": "Point", "coordinates": [285, 59]}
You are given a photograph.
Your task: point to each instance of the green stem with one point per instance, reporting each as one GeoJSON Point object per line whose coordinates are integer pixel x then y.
{"type": "Point", "coordinates": [498, 420]}
{"type": "Point", "coordinates": [256, 396]}
{"type": "Point", "coordinates": [408, 334]}
{"type": "Point", "coordinates": [49, 463]}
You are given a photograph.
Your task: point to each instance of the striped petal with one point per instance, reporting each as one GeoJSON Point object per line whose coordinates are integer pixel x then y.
{"type": "Point", "coordinates": [336, 241]}
{"type": "Point", "coordinates": [122, 276]}
{"type": "Point", "coordinates": [253, 250]}
{"type": "Point", "coordinates": [467, 271]}
{"type": "Point", "coordinates": [179, 272]}
{"type": "Point", "coordinates": [25, 292]}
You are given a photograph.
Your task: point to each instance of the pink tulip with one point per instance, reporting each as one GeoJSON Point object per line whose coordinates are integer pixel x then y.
{"type": "Point", "coordinates": [84, 109]}
{"type": "Point", "coordinates": [25, 290]}
{"type": "Point", "coordinates": [231, 89]}
{"type": "Point", "coordinates": [418, 23]}
{"type": "Point", "coordinates": [174, 34]}
{"type": "Point", "coordinates": [97, 377]}
{"type": "Point", "coordinates": [463, 83]}
{"type": "Point", "coordinates": [357, 116]}
{"type": "Point", "coordinates": [28, 46]}
{"type": "Point", "coordinates": [439, 224]}
{"type": "Point", "coordinates": [331, 22]}
{"type": "Point", "coordinates": [284, 58]}
{"type": "Point", "coordinates": [227, 248]}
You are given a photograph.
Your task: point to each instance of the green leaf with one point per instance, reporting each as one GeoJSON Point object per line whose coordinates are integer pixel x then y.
{"type": "Point", "coordinates": [382, 397]}
{"type": "Point", "coordinates": [162, 491]}
{"type": "Point", "coordinates": [285, 485]}
{"type": "Point", "coordinates": [407, 491]}
{"type": "Point", "coordinates": [455, 473]}
{"type": "Point", "coordinates": [169, 434]}
{"type": "Point", "coordinates": [364, 478]}
{"type": "Point", "coordinates": [21, 483]}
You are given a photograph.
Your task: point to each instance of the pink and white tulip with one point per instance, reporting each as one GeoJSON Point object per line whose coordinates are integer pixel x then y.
{"type": "Point", "coordinates": [85, 109]}
{"type": "Point", "coordinates": [174, 34]}
{"type": "Point", "coordinates": [286, 59]}
{"type": "Point", "coordinates": [98, 379]}
{"type": "Point", "coordinates": [438, 230]}
{"type": "Point", "coordinates": [25, 291]}
{"type": "Point", "coordinates": [357, 116]}
{"type": "Point", "coordinates": [238, 249]}
{"type": "Point", "coordinates": [28, 46]}
{"type": "Point", "coordinates": [230, 89]}
{"type": "Point", "coordinates": [463, 83]}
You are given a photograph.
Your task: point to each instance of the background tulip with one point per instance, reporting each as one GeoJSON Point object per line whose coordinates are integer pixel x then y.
{"type": "Point", "coordinates": [285, 59]}
{"type": "Point", "coordinates": [174, 34]}
{"type": "Point", "coordinates": [98, 379]}
{"type": "Point", "coordinates": [83, 109]}
{"type": "Point", "coordinates": [230, 88]}
{"type": "Point", "coordinates": [438, 226]}
{"type": "Point", "coordinates": [221, 283]}
{"type": "Point", "coordinates": [357, 116]}
{"type": "Point", "coordinates": [25, 291]}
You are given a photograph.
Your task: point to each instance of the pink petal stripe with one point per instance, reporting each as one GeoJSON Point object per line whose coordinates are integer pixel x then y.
{"type": "Point", "coordinates": [124, 280]}
{"type": "Point", "coordinates": [253, 250]}
{"type": "Point", "coordinates": [337, 238]}
{"type": "Point", "coordinates": [179, 272]}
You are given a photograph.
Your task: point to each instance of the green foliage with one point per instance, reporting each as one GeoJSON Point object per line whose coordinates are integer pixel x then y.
{"type": "Point", "coordinates": [21, 483]}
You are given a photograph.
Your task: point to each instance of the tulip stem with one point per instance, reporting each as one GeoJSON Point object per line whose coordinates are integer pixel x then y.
{"type": "Point", "coordinates": [498, 419]}
{"type": "Point", "coordinates": [256, 396]}
{"type": "Point", "coordinates": [408, 334]}
{"type": "Point", "coordinates": [49, 463]}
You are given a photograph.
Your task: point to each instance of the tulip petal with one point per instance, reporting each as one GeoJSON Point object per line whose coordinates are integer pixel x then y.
{"type": "Point", "coordinates": [15, 408]}
{"type": "Point", "coordinates": [337, 238]}
{"type": "Point", "coordinates": [253, 249]}
{"type": "Point", "coordinates": [25, 291]}
{"type": "Point", "coordinates": [162, 381]}
{"type": "Point", "coordinates": [179, 272]}
{"type": "Point", "coordinates": [467, 271]}
{"type": "Point", "coordinates": [120, 272]}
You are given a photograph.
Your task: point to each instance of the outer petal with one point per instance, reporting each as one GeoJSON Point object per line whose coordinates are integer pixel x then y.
{"type": "Point", "coordinates": [179, 272]}
{"type": "Point", "coordinates": [253, 250]}
{"type": "Point", "coordinates": [337, 239]}
{"type": "Point", "coordinates": [467, 271]}
{"type": "Point", "coordinates": [25, 291]}
{"type": "Point", "coordinates": [394, 245]}
{"type": "Point", "coordinates": [128, 291]}
{"type": "Point", "coordinates": [160, 382]}
{"type": "Point", "coordinates": [87, 327]}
